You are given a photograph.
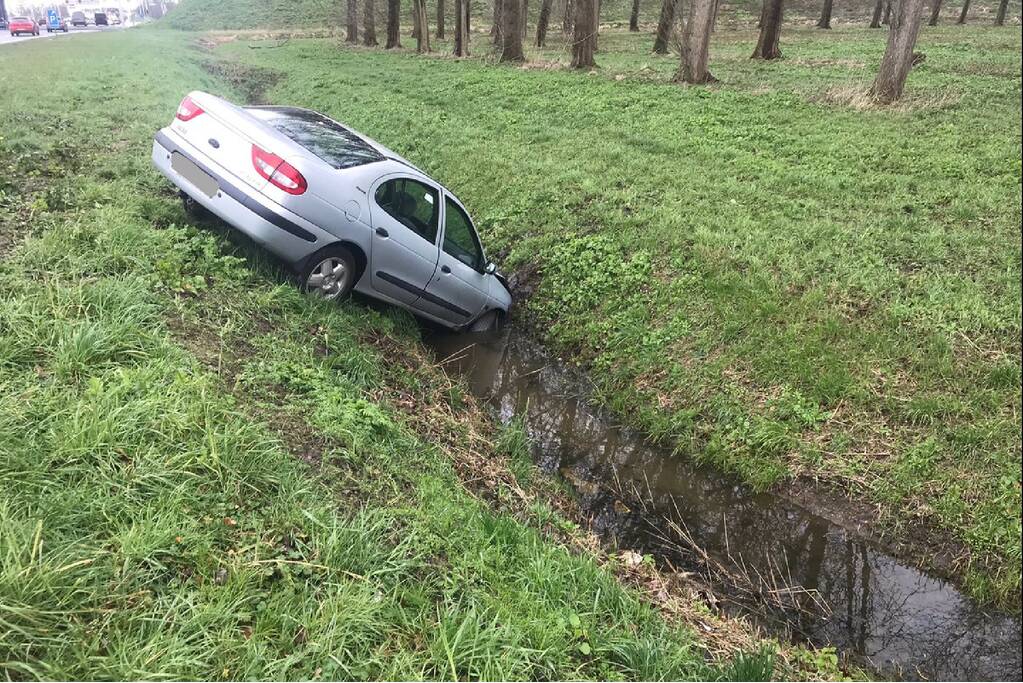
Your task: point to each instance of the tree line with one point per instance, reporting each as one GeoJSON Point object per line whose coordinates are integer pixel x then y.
{"type": "Point", "coordinates": [581, 25]}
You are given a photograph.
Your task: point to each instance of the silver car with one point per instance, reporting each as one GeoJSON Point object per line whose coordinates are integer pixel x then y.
{"type": "Point", "coordinates": [345, 211]}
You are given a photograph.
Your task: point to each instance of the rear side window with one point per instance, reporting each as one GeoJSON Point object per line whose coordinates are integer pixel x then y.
{"type": "Point", "coordinates": [327, 139]}
{"type": "Point", "coordinates": [460, 239]}
{"type": "Point", "coordinates": [412, 204]}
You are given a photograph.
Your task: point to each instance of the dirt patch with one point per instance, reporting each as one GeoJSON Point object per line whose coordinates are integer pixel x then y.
{"type": "Point", "coordinates": [252, 81]}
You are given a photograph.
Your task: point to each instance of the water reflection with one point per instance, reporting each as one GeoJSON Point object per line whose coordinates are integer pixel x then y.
{"type": "Point", "coordinates": [899, 619]}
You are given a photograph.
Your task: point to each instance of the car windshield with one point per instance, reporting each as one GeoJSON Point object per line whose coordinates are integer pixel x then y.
{"type": "Point", "coordinates": [327, 139]}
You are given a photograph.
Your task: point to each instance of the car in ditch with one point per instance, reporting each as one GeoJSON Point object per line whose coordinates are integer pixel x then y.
{"type": "Point", "coordinates": [345, 212]}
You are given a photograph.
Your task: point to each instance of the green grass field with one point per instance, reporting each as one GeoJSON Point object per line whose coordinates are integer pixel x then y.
{"type": "Point", "coordinates": [206, 475]}
{"type": "Point", "coordinates": [783, 281]}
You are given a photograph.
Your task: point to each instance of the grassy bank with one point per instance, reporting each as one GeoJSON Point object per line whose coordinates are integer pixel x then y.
{"type": "Point", "coordinates": [205, 475]}
{"type": "Point", "coordinates": [784, 281]}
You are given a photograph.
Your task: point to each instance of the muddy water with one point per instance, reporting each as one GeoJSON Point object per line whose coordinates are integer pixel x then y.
{"type": "Point", "coordinates": [883, 613]}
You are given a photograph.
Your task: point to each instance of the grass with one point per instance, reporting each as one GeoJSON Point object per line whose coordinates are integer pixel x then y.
{"type": "Point", "coordinates": [785, 283]}
{"type": "Point", "coordinates": [206, 475]}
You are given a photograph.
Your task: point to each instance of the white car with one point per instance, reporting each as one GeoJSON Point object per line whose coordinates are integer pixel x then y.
{"type": "Point", "coordinates": [346, 212]}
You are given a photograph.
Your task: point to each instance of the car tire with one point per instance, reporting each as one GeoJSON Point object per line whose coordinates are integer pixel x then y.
{"type": "Point", "coordinates": [328, 274]}
{"type": "Point", "coordinates": [491, 321]}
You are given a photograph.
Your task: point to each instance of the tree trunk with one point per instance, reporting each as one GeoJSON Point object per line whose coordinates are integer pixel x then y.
{"type": "Point", "coordinates": [825, 20]}
{"type": "Point", "coordinates": [352, 36]}
{"type": "Point", "coordinates": [495, 30]}
{"type": "Point", "coordinates": [422, 26]}
{"type": "Point", "coordinates": [393, 24]}
{"type": "Point", "coordinates": [634, 17]}
{"type": "Point", "coordinates": [1003, 6]}
{"type": "Point", "coordinates": [461, 29]}
{"type": "Point", "coordinates": [369, 24]}
{"type": "Point", "coordinates": [584, 41]}
{"type": "Point", "coordinates": [875, 21]}
{"type": "Point", "coordinates": [962, 15]}
{"type": "Point", "coordinates": [898, 54]}
{"type": "Point", "coordinates": [664, 27]}
{"type": "Point", "coordinates": [524, 17]}
{"type": "Point", "coordinates": [696, 43]}
{"type": "Point", "coordinates": [935, 12]}
{"type": "Point", "coordinates": [440, 19]}
{"type": "Point", "coordinates": [887, 21]}
{"type": "Point", "coordinates": [566, 19]}
{"type": "Point", "coordinates": [511, 33]}
{"type": "Point", "coordinates": [770, 31]}
{"type": "Point", "coordinates": [541, 23]}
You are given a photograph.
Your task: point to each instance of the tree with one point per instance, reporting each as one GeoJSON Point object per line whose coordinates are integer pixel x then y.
{"type": "Point", "coordinates": [962, 15]}
{"type": "Point", "coordinates": [369, 24]}
{"type": "Point", "coordinates": [352, 35]}
{"type": "Point", "coordinates": [898, 54]}
{"type": "Point", "coordinates": [422, 26]}
{"type": "Point", "coordinates": [393, 24]}
{"type": "Point", "coordinates": [665, 24]}
{"type": "Point", "coordinates": [440, 19]}
{"type": "Point", "coordinates": [696, 43]}
{"type": "Point", "coordinates": [461, 28]}
{"type": "Point", "coordinates": [511, 33]}
{"type": "Point", "coordinates": [825, 20]}
{"type": "Point", "coordinates": [875, 21]}
{"type": "Point", "coordinates": [566, 19]}
{"type": "Point", "coordinates": [543, 21]}
{"type": "Point", "coordinates": [634, 17]}
{"type": "Point", "coordinates": [524, 17]}
{"type": "Point", "coordinates": [935, 12]}
{"type": "Point", "coordinates": [770, 31]}
{"type": "Point", "coordinates": [1003, 6]}
{"type": "Point", "coordinates": [584, 40]}
{"type": "Point", "coordinates": [887, 13]}
{"type": "Point", "coordinates": [495, 30]}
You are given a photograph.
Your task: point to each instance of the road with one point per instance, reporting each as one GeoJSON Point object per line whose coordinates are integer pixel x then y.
{"type": "Point", "coordinates": [6, 37]}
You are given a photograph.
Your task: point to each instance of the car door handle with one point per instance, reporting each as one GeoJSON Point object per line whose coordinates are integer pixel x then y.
{"type": "Point", "coordinates": [445, 269]}
{"type": "Point", "coordinates": [383, 233]}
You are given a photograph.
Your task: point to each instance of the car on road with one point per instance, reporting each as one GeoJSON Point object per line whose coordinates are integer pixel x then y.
{"type": "Point", "coordinates": [22, 25]}
{"type": "Point", "coordinates": [78, 18]}
{"type": "Point", "coordinates": [3, 24]}
{"type": "Point", "coordinates": [345, 212]}
{"type": "Point", "coordinates": [101, 19]}
{"type": "Point", "coordinates": [56, 23]}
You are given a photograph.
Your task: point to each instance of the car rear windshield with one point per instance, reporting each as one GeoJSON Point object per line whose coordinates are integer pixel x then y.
{"type": "Point", "coordinates": [327, 139]}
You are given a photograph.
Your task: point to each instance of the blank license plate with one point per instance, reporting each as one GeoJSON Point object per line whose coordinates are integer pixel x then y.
{"type": "Point", "coordinates": [195, 175]}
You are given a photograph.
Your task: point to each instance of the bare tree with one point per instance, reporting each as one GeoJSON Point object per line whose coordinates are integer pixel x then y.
{"type": "Point", "coordinates": [665, 26]}
{"type": "Point", "coordinates": [369, 24]}
{"type": "Point", "coordinates": [495, 30]}
{"type": "Point", "coordinates": [566, 19]}
{"type": "Point", "coordinates": [825, 20]}
{"type": "Point", "coordinates": [962, 15]}
{"type": "Point", "coordinates": [524, 17]}
{"type": "Point", "coordinates": [393, 24]}
{"type": "Point", "coordinates": [440, 19]}
{"type": "Point", "coordinates": [352, 34]}
{"type": "Point", "coordinates": [696, 43]}
{"type": "Point", "coordinates": [898, 54]}
{"type": "Point", "coordinates": [634, 17]}
{"type": "Point", "coordinates": [461, 28]}
{"type": "Point", "coordinates": [875, 21]}
{"type": "Point", "coordinates": [1003, 6]}
{"type": "Point", "coordinates": [584, 41]}
{"type": "Point", "coordinates": [511, 33]}
{"type": "Point", "coordinates": [422, 26]}
{"type": "Point", "coordinates": [887, 20]}
{"type": "Point", "coordinates": [770, 31]}
{"type": "Point", "coordinates": [542, 22]}
{"type": "Point", "coordinates": [935, 13]}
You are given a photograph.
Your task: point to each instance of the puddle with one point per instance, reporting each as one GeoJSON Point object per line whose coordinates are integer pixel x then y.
{"type": "Point", "coordinates": [883, 613]}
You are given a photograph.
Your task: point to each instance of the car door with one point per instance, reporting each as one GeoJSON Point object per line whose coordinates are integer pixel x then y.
{"type": "Point", "coordinates": [460, 288]}
{"type": "Point", "coordinates": [405, 213]}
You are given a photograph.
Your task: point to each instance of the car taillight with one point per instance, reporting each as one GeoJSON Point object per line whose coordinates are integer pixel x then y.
{"type": "Point", "coordinates": [278, 171]}
{"type": "Point", "coordinates": [188, 109]}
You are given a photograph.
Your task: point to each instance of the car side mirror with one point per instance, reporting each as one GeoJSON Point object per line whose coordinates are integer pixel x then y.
{"type": "Point", "coordinates": [491, 268]}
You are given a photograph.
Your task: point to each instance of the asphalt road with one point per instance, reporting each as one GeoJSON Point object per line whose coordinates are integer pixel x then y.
{"type": "Point", "coordinates": [6, 37]}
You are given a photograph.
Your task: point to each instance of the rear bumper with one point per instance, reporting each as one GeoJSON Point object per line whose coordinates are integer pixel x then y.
{"type": "Point", "coordinates": [286, 234]}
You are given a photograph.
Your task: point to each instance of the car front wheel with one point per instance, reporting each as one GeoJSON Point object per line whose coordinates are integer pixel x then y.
{"type": "Point", "coordinates": [490, 321]}
{"type": "Point", "coordinates": [329, 274]}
